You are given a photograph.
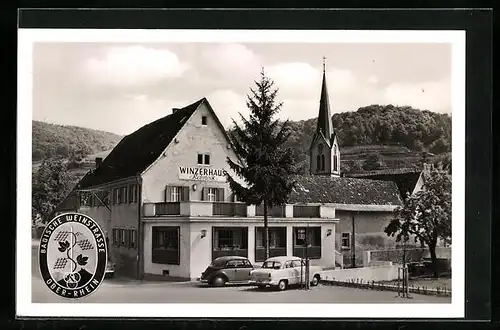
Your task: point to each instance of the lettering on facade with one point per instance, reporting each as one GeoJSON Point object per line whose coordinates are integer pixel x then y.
{"type": "Point", "coordinates": [202, 174]}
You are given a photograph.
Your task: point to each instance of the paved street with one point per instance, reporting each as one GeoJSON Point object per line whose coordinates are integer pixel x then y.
{"type": "Point", "coordinates": [131, 291]}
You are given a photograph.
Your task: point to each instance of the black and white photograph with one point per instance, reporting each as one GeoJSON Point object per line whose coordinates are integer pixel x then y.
{"type": "Point", "coordinates": [232, 173]}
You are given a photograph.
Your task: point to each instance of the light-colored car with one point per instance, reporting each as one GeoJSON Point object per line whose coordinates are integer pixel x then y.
{"type": "Point", "coordinates": [282, 272]}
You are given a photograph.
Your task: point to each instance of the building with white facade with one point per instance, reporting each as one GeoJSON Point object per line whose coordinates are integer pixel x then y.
{"type": "Point", "coordinates": [163, 200]}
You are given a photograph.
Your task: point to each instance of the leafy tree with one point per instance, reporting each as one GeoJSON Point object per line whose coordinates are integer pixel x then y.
{"type": "Point", "coordinates": [373, 162]}
{"type": "Point", "coordinates": [426, 215]}
{"type": "Point", "coordinates": [51, 184]}
{"type": "Point", "coordinates": [268, 165]}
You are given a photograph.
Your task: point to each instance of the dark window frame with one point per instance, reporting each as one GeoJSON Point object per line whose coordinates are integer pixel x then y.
{"type": "Point", "coordinates": [275, 251]}
{"type": "Point", "coordinates": [204, 120]}
{"type": "Point", "coordinates": [313, 251]}
{"type": "Point", "coordinates": [219, 249]}
{"type": "Point", "coordinates": [163, 255]}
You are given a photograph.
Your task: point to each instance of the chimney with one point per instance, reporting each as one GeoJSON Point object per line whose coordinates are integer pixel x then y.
{"type": "Point", "coordinates": [174, 110]}
{"type": "Point", "coordinates": [98, 162]}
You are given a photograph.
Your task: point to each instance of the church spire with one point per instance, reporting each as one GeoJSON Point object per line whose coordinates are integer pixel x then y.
{"type": "Point", "coordinates": [324, 116]}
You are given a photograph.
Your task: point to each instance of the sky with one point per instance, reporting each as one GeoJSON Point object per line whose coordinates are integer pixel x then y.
{"type": "Point", "coordinates": [119, 87]}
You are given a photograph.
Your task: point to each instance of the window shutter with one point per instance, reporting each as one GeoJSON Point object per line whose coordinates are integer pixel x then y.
{"type": "Point", "coordinates": [168, 194]}
{"type": "Point", "coordinates": [204, 194]}
{"type": "Point", "coordinates": [184, 194]}
{"type": "Point", "coordinates": [220, 194]}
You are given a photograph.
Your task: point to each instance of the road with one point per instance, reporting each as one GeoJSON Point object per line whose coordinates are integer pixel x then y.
{"type": "Point", "coordinates": [132, 291]}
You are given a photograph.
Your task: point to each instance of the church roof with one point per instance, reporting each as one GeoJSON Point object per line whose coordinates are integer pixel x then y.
{"type": "Point", "coordinates": [344, 190]}
{"type": "Point", "coordinates": [325, 124]}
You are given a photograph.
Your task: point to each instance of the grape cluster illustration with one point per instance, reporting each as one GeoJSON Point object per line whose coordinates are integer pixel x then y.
{"type": "Point", "coordinates": [67, 241]}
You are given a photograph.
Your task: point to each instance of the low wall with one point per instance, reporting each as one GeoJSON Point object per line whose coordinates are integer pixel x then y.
{"type": "Point", "coordinates": [364, 274]}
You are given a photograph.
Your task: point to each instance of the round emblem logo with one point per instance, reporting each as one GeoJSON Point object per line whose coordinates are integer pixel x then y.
{"type": "Point", "coordinates": [73, 255]}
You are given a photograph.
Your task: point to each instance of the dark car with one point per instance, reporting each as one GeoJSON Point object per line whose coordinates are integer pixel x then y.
{"type": "Point", "coordinates": [227, 270]}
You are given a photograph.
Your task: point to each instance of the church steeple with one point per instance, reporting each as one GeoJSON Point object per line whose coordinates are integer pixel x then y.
{"type": "Point", "coordinates": [324, 151]}
{"type": "Point", "coordinates": [325, 125]}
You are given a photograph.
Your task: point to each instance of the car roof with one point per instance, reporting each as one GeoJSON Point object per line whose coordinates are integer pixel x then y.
{"type": "Point", "coordinates": [230, 258]}
{"type": "Point", "coordinates": [283, 258]}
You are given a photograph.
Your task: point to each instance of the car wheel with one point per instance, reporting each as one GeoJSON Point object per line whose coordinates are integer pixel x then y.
{"type": "Point", "coordinates": [219, 281]}
{"type": "Point", "coordinates": [282, 285]}
{"type": "Point", "coordinates": [315, 280]}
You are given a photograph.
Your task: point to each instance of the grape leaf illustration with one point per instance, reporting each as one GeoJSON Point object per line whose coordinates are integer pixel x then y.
{"type": "Point", "coordinates": [82, 261]}
{"type": "Point", "coordinates": [63, 246]}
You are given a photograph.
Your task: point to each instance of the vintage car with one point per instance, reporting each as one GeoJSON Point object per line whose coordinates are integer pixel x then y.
{"type": "Point", "coordinates": [227, 270]}
{"type": "Point", "coordinates": [282, 272]}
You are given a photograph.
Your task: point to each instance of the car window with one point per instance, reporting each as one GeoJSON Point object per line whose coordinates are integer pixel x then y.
{"type": "Point", "coordinates": [247, 264]}
{"type": "Point", "coordinates": [288, 264]}
{"type": "Point", "coordinates": [218, 262]}
{"type": "Point", "coordinates": [272, 264]}
{"type": "Point", "coordinates": [232, 264]}
{"type": "Point", "coordinates": [239, 263]}
{"type": "Point", "coordinates": [296, 263]}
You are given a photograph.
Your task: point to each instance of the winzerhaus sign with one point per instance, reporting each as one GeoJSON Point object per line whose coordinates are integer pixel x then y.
{"type": "Point", "coordinates": [202, 174]}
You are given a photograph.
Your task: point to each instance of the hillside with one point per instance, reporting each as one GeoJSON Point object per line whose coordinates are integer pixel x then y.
{"type": "Point", "coordinates": [398, 135]}
{"type": "Point", "coordinates": [60, 141]}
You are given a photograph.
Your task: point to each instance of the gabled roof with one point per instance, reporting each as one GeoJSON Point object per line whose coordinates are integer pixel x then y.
{"type": "Point", "coordinates": [343, 190]}
{"type": "Point", "coordinates": [139, 150]}
{"type": "Point", "coordinates": [405, 179]}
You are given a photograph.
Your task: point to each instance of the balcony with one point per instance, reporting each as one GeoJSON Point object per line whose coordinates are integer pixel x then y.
{"type": "Point", "coordinates": [235, 209]}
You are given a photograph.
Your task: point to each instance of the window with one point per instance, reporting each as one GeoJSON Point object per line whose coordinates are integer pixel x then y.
{"type": "Point", "coordinates": [335, 159]}
{"type": "Point", "coordinates": [234, 264]}
{"type": "Point", "coordinates": [133, 238]}
{"type": "Point", "coordinates": [272, 264]}
{"type": "Point", "coordinates": [288, 264]}
{"type": "Point", "coordinates": [313, 236]}
{"type": "Point", "coordinates": [120, 195]}
{"type": "Point", "coordinates": [204, 120]}
{"type": "Point", "coordinates": [211, 194]}
{"type": "Point", "coordinates": [176, 194]}
{"type": "Point", "coordinates": [313, 247]}
{"type": "Point", "coordinates": [296, 263]}
{"type": "Point", "coordinates": [277, 237]}
{"type": "Point", "coordinates": [277, 242]}
{"type": "Point", "coordinates": [323, 162]}
{"type": "Point", "coordinates": [229, 242]}
{"type": "Point", "coordinates": [346, 240]}
{"type": "Point", "coordinates": [115, 237]}
{"type": "Point", "coordinates": [132, 193]}
{"type": "Point", "coordinates": [318, 162]}
{"type": "Point", "coordinates": [123, 237]}
{"type": "Point", "coordinates": [203, 159]}
{"type": "Point", "coordinates": [123, 195]}
{"type": "Point", "coordinates": [166, 249]}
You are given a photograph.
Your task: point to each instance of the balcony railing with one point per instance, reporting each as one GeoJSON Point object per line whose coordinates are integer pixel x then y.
{"type": "Point", "coordinates": [170, 208]}
{"type": "Point", "coordinates": [273, 212]}
{"type": "Point", "coordinates": [229, 209]}
{"type": "Point", "coordinates": [235, 209]}
{"type": "Point", "coordinates": [306, 211]}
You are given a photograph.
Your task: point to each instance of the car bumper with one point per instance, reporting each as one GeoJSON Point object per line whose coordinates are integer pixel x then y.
{"type": "Point", "coordinates": [201, 280]}
{"type": "Point", "coordinates": [261, 282]}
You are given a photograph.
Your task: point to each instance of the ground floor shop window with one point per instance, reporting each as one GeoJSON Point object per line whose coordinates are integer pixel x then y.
{"type": "Point", "coordinates": [165, 247]}
{"type": "Point", "coordinates": [277, 242]}
{"type": "Point", "coordinates": [307, 241]}
{"type": "Point", "coordinates": [229, 242]}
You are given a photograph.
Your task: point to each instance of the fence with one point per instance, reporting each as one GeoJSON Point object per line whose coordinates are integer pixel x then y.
{"type": "Point", "coordinates": [384, 286]}
{"type": "Point", "coordinates": [411, 255]}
